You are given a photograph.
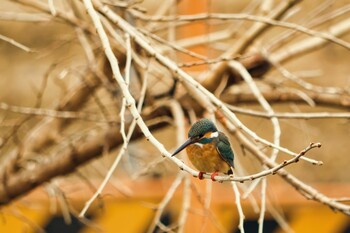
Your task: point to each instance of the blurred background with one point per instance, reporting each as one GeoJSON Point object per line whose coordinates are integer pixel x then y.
{"type": "Point", "coordinates": [52, 59]}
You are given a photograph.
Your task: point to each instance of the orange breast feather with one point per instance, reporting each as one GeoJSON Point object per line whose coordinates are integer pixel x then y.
{"type": "Point", "coordinates": [206, 158]}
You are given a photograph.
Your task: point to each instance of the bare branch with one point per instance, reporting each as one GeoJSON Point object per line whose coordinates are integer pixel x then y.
{"type": "Point", "coordinates": [239, 206]}
{"type": "Point", "coordinates": [260, 19]}
{"type": "Point", "coordinates": [290, 115]}
{"type": "Point", "coordinates": [15, 43]}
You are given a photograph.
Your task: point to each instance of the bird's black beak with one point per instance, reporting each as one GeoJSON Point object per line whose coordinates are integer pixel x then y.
{"type": "Point", "coordinates": [183, 146]}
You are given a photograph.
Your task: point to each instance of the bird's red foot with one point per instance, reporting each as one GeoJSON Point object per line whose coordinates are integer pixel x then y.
{"type": "Point", "coordinates": [200, 175]}
{"type": "Point", "coordinates": [213, 176]}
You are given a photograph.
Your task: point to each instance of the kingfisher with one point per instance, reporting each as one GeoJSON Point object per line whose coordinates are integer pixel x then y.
{"type": "Point", "coordinates": [208, 149]}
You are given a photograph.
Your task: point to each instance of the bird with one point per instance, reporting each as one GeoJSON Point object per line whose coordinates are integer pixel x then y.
{"type": "Point", "coordinates": [208, 149]}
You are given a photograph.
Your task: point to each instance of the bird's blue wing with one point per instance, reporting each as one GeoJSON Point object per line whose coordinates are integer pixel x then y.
{"type": "Point", "coordinates": [224, 149]}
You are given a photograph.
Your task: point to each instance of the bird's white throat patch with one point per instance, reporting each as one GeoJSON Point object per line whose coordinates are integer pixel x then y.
{"type": "Point", "coordinates": [199, 144]}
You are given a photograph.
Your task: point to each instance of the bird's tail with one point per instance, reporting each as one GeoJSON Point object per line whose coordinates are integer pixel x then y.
{"type": "Point", "coordinates": [230, 171]}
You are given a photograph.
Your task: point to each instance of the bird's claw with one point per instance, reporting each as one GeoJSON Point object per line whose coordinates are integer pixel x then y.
{"type": "Point", "coordinates": [213, 176]}
{"type": "Point", "coordinates": [200, 175]}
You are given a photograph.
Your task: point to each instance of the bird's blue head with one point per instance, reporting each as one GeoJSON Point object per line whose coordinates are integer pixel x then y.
{"type": "Point", "coordinates": [201, 127]}
{"type": "Point", "coordinates": [197, 133]}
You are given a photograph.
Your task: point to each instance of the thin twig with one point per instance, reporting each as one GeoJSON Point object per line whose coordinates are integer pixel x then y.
{"type": "Point", "coordinates": [263, 205]}
{"type": "Point", "coordinates": [272, 170]}
{"type": "Point", "coordinates": [16, 44]}
{"type": "Point", "coordinates": [275, 123]}
{"type": "Point", "coordinates": [25, 17]}
{"type": "Point", "coordinates": [239, 206]}
{"type": "Point", "coordinates": [254, 18]}
{"type": "Point", "coordinates": [306, 85]}
{"type": "Point", "coordinates": [166, 199]}
{"type": "Point", "coordinates": [303, 188]}
{"type": "Point", "coordinates": [311, 22]}
{"type": "Point", "coordinates": [254, 88]}
{"type": "Point", "coordinates": [53, 113]}
{"type": "Point", "coordinates": [289, 115]}
{"type": "Point", "coordinates": [309, 44]}
{"type": "Point", "coordinates": [186, 204]}
{"type": "Point", "coordinates": [172, 45]}
{"type": "Point", "coordinates": [52, 7]}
